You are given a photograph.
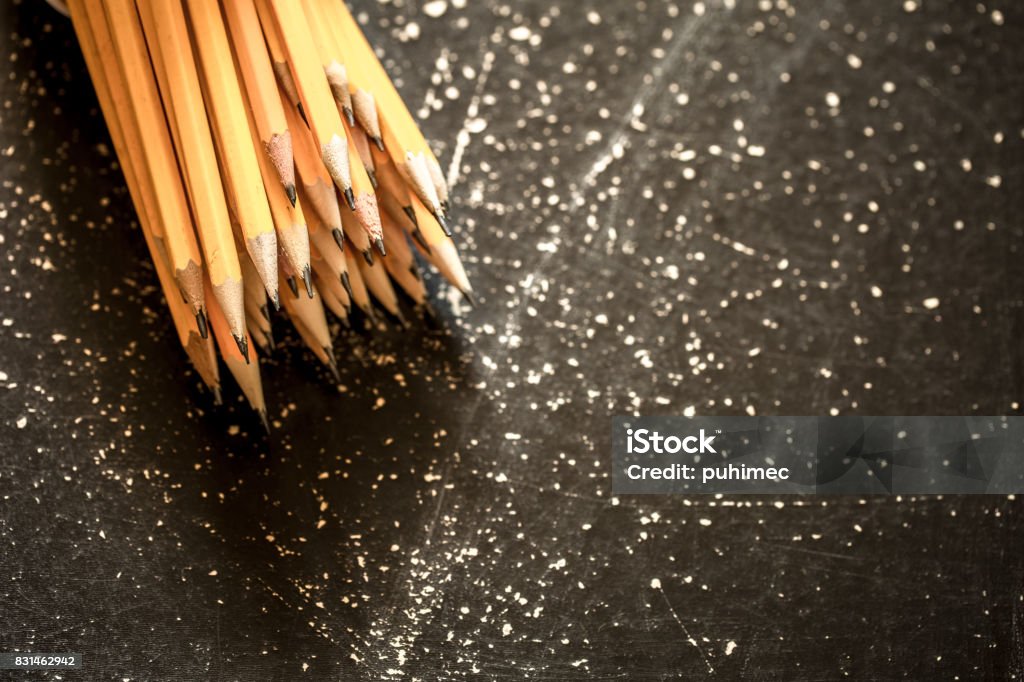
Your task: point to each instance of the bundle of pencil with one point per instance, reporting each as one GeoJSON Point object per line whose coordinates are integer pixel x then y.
{"type": "Point", "coordinates": [263, 143]}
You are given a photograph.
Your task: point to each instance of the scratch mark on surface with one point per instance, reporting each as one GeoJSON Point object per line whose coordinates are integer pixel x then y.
{"type": "Point", "coordinates": [656, 584]}
{"type": "Point", "coordinates": [472, 111]}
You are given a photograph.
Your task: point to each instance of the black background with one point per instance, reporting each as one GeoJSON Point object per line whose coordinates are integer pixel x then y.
{"type": "Point", "coordinates": [447, 512]}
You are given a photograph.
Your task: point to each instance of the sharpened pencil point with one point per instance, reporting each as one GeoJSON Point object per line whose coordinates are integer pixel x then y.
{"type": "Point", "coordinates": [204, 330]}
{"type": "Point", "coordinates": [441, 221]}
{"type": "Point", "coordinates": [290, 191]}
{"type": "Point", "coordinates": [345, 282]}
{"type": "Point", "coordinates": [373, 178]}
{"type": "Point", "coordinates": [218, 399]}
{"type": "Point", "coordinates": [265, 420]}
{"type": "Point", "coordinates": [469, 298]}
{"type": "Point", "coordinates": [307, 279]}
{"type": "Point", "coordinates": [332, 363]}
{"type": "Point", "coordinates": [379, 142]}
{"type": "Point", "coordinates": [276, 301]}
{"type": "Point", "coordinates": [350, 199]}
{"type": "Point", "coordinates": [379, 243]}
{"type": "Point", "coordinates": [446, 206]}
{"type": "Point", "coordinates": [368, 257]}
{"type": "Point", "coordinates": [339, 237]}
{"type": "Point", "coordinates": [243, 347]}
{"type": "Point", "coordinates": [265, 312]}
{"type": "Point", "coordinates": [349, 116]}
{"type": "Point", "coordinates": [412, 215]}
{"type": "Point", "coordinates": [293, 285]}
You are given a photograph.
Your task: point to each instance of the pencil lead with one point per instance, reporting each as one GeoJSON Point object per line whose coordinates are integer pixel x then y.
{"type": "Point", "coordinates": [243, 347]}
{"type": "Point", "coordinates": [293, 285]}
{"type": "Point", "coordinates": [415, 271]}
{"type": "Point", "coordinates": [469, 298]}
{"type": "Point", "coordinates": [348, 289]}
{"type": "Point", "coordinates": [302, 114]}
{"type": "Point", "coordinates": [446, 206]}
{"type": "Point", "coordinates": [379, 243]}
{"type": "Point", "coordinates": [412, 215]}
{"type": "Point", "coordinates": [266, 422]}
{"type": "Point", "coordinates": [339, 237]}
{"type": "Point", "coordinates": [379, 142]}
{"type": "Point", "coordinates": [307, 279]}
{"type": "Point", "coordinates": [333, 364]}
{"type": "Point", "coordinates": [289, 189]}
{"type": "Point", "coordinates": [276, 301]}
{"type": "Point", "coordinates": [439, 217]}
{"type": "Point", "coordinates": [418, 236]}
{"type": "Point", "coordinates": [373, 178]}
{"type": "Point", "coordinates": [368, 256]}
{"type": "Point", "coordinates": [265, 312]}
{"type": "Point", "coordinates": [350, 199]}
{"type": "Point", "coordinates": [218, 399]}
{"type": "Point", "coordinates": [349, 116]}
{"type": "Point", "coordinates": [204, 330]}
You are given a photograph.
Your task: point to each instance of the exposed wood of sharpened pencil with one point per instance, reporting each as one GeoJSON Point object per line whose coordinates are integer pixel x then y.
{"type": "Point", "coordinates": [401, 134]}
{"type": "Point", "coordinates": [375, 277]}
{"type": "Point", "coordinates": [323, 243]}
{"type": "Point", "coordinates": [364, 104]}
{"type": "Point", "coordinates": [401, 263]}
{"type": "Point", "coordinates": [196, 342]}
{"type": "Point", "coordinates": [288, 216]}
{"type": "Point", "coordinates": [357, 288]}
{"type": "Point", "coordinates": [279, 59]}
{"type": "Point", "coordinates": [443, 254]}
{"type": "Point", "coordinates": [238, 154]}
{"type": "Point", "coordinates": [307, 314]}
{"type": "Point", "coordinates": [317, 188]}
{"type": "Point", "coordinates": [199, 162]}
{"type": "Point", "coordinates": [314, 92]}
{"type": "Point", "coordinates": [258, 78]}
{"type": "Point", "coordinates": [332, 293]}
{"type": "Point", "coordinates": [331, 60]}
{"type": "Point", "coordinates": [257, 310]}
{"type": "Point", "coordinates": [144, 119]}
{"type": "Point", "coordinates": [245, 367]}
{"type": "Point", "coordinates": [366, 211]}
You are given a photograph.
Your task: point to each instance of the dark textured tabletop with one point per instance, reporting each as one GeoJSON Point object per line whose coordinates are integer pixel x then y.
{"type": "Point", "coordinates": [665, 208]}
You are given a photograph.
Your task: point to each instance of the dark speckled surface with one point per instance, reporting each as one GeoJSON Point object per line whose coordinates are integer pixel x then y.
{"type": "Point", "coordinates": [767, 208]}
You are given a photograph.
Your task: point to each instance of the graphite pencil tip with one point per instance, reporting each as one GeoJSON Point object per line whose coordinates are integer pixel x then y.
{"type": "Point", "coordinates": [412, 215]}
{"type": "Point", "coordinates": [290, 191]}
{"type": "Point", "coordinates": [373, 178]}
{"type": "Point", "coordinates": [439, 217]}
{"type": "Point", "coordinates": [446, 205]}
{"type": "Point", "coordinates": [276, 301]}
{"type": "Point", "coordinates": [469, 298]}
{"type": "Point", "coordinates": [218, 399]}
{"type": "Point", "coordinates": [265, 420]}
{"type": "Point", "coordinates": [293, 285]}
{"type": "Point", "coordinates": [307, 279]}
{"type": "Point", "coordinates": [204, 330]}
{"type": "Point", "coordinates": [368, 257]}
{"type": "Point", "coordinates": [379, 142]}
{"type": "Point", "coordinates": [350, 199]}
{"type": "Point", "coordinates": [332, 363]}
{"type": "Point", "coordinates": [379, 243]}
{"type": "Point", "coordinates": [349, 116]}
{"type": "Point", "coordinates": [265, 312]}
{"type": "Point", "coordinates": [302, 114]}
{"type": "Point", "coordinates": [243, 347]}
{"type": "Point", "coordinates": [339, 237]}
{"type": "Point", "coordinates": [345, 282]}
